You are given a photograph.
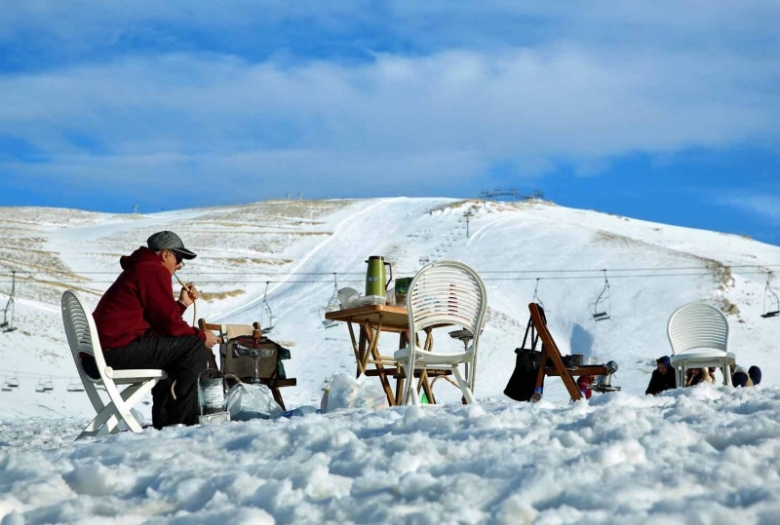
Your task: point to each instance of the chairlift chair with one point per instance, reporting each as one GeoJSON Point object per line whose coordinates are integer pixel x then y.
{"type": "Point", "coordinates": [267, 318]}
{"type": "Point", "coordinates": [536, 298]}
{"type": "Point", "coordinates": [8, 320]}
{"type": "Point", "coordinates": [75, 386]}
{"type": "Point", "coordinates": [773, 310]}
{"type": "Point", "coordinates": [8, 316]}
{"type": "Point", "coordinates": [39, 387]}
{"type": "Point", "coordinates": [5, 388]}
{"type": "Point", "coordinates": [334, 304]}
{"type": "Point", "coordinates": [13, 381]}
{"type": "Point", "coordinates": [600, 309]}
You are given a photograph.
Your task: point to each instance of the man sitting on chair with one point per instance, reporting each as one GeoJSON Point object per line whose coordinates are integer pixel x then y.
{"type": "Point", "coordinates": [140, 325]}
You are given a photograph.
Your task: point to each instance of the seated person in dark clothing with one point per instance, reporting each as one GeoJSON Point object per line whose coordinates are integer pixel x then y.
{"type": "Point", "coordinates": [663, 377]}
{"type": "Point", "coordinates": [140, 325]}
{"type": "Point", "coordinates": [739, 376]}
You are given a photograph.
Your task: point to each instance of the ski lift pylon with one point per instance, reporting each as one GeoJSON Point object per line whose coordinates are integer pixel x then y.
{"type": "Point", "coordinates": [773, 310]}
{"type": "Point", "coordinates": [601, 306]}
{"type": "Point", "coordinates": [267, 318]}
{"type": "Point", "coordinates": [333, 303]}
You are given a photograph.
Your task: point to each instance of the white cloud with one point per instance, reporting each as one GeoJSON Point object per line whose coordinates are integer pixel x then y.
{"type": "Point", "coordinates": [765, 206]}
{"type": "Point", "coordinates": [460, 102]}
{"type": "Point", "coordinates": [559, 103]}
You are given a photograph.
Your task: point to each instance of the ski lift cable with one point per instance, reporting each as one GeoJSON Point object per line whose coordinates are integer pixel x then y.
{"type": "Point", "coordinates": [537, 271]}
{"type": "Point", "coordinates": [495, 278]}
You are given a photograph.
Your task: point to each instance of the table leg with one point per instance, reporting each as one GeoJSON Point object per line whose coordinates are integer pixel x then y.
{"type": "Point", "coordinates": [427, 387]}
{"type": "Point", "coordinates": [357, 348]}
{"type": "Point", "coordinates": [372, 350]}
{"type": "Point", "coordinates": [365, 345]}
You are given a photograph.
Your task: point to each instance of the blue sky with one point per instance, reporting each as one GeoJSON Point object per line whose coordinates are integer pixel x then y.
{"type": "Point", "coordinates": [666, 111]}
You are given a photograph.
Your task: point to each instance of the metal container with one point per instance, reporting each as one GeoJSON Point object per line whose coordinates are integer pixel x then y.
{"type": "Point", "coordinates": [375, 276]}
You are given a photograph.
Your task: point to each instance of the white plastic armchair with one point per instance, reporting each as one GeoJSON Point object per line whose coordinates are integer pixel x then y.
{"type": "Point", "coordinates": [83, 340]}
{"type": "Point", "coordinates": [444, 293]}
{"type": "Point", "coordinates": [699, 336]}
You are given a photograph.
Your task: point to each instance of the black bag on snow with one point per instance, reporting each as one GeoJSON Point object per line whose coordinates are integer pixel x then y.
{"type": "Point", "coordinates": [523, 381]}
{"type": "Point", "coordinates": [521, 384]}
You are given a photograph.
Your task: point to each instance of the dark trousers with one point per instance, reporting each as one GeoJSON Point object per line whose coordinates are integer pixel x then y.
{"type": "Point", "coordinates": [183, 358]}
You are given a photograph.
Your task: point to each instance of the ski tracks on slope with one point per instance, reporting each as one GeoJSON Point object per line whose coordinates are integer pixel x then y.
{"type": "Point", "coordinates": [476, 237]}
{"type": "Point", "coordinates": [303, 260]}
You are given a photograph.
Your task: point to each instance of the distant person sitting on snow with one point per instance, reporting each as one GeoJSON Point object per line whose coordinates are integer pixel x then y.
{"type": "Point", "coordinates": [740, 377]}
{"type": "Point", "coordinates": [140, 325]}
{"type": "Point", "coordinates": [699, 375]}
{"type": "Point", "coordinates": [663, 377]}
{"type": "Point", "coordinates": [754, 373]}
{"type": "Point", "coordinates": [584, 383]}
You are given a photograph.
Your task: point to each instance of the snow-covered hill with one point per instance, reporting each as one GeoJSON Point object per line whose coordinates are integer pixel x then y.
{"type": "Point", "coordinates": [700, 455]}
{"type": "Point", "coordinates": [295, 249]}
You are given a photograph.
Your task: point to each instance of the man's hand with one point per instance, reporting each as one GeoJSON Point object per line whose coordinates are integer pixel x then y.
{"type": "Point", "coordinates": [212, 339]}
{"type": "Point", "coordinates": [188, 294]}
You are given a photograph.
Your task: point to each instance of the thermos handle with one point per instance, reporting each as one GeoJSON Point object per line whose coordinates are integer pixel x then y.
{"type": "Point", "coordinates": [391, 275]}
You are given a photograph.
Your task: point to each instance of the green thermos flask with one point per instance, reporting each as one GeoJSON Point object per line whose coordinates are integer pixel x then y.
{"type": "Point", "coordinates": [375, 276]}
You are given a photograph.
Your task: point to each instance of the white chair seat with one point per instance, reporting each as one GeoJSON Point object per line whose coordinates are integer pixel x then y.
{"type": "Point", "coordinates": [702, 358]}
{"type": "Point", "coordinates": [128, 375]}
{"type": "Point", "coordinates": [433, 358]}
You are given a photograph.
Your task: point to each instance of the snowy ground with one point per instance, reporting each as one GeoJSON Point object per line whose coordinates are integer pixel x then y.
{"type": "Point", "coordinates": [700, 455]}
{"type": "Point", "coordinates": [703, 455]}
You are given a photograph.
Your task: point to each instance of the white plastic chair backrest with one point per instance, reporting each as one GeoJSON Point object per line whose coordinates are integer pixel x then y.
{"type": "Point", "coordinates": [447, 292]}
{"type": "Point", "coordinates": [697, 325]}
{"type": "Point", "coordinates": [82, 338]}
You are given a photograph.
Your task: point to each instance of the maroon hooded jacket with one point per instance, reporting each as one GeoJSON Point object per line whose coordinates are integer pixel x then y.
{"type": "Point", "coordinates": [140, 303]}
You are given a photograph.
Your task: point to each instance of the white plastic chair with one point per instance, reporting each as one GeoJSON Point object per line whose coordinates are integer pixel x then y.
{"type": "Point", "coordinates": [83, 341]}
{"type": "Point", "coordinates": [699, 335]}
{"type": "Point", "coordinates": [444, 293]}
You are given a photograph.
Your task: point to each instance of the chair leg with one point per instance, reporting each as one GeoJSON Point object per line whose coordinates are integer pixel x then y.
{"type": "Point", "coordinates": [464, 387]}
{"type": "Point", "coordinates": [407, 384]}
{"type": "Point", "coordinates": [414, 390]}
{"type": "Point", "coordinates": [118, 409]}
